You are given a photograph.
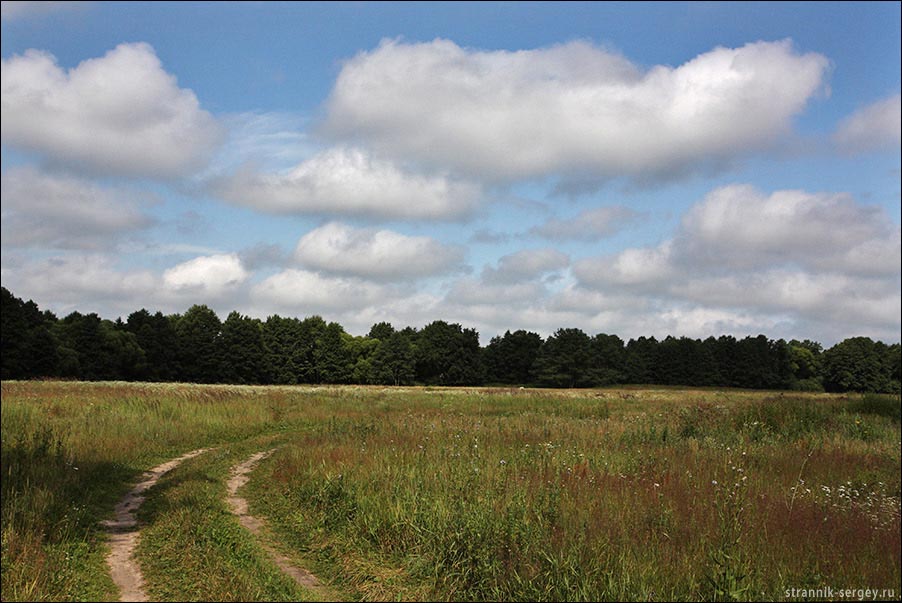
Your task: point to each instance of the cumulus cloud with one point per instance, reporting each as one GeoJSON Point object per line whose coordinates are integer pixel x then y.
{"type": "Point", "coordinates": [635, 268]}
{"type": "Point", "coordinates": [810, 258]}
{"type": "Point", "coordinates": [572, 109]}
{"type": "Point", "coordinates": [85, 282]}
{"type": "Point", "coordinates": [525, 265]}
{"type": "Point", "coordinates": [303, 292]}
{"type": "Point", "coordinates": [264, 255]}
{"type": "Point", "coordinates": [382, 255]}
{"type": "Point", "coordinates": [120, 114]}
{"type": "Point", "coordinates": [350, 182]}
{"type": "Point", "coordinates": [210, 275]}
{"type": "Point", "coordinates": [877, 126]}
{"type": "Point", "coordinates": [739, 227]}
{"type": "Point", "coordinates": [471, 291]}
{"type": "Point", "coordinates": [588, 225]}
{"type": "Point", "coordinates": [44, 210]}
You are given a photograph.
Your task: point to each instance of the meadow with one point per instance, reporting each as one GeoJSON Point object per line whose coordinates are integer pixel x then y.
{"type": "Point", "coordinates": [456, 494]}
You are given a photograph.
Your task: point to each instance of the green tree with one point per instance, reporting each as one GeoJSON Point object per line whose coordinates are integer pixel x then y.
{"type": "Point", "coordinates": [806, 364]}
{"type": "Point", "coordinates": [284, 353]}
{"type": "Point", "coordinates": [310, 330]}
{"type": "Point", "coordinates": [95, 349]}
{"type": "Point", "coordinates": [243, 355]}
{"type": "Point", "coordinates": [447, 354]}
{"type": "Point", "coordinates": [156, 336]}
{"type": "Point", "coordinates": [381, 331]}
{"type": "Point", "coordinates": [857, 364]}
{"type": "Point", "coordinates": [608, 360]}
{"type": "Point", "coordinates": [641, 358]}
{"type": "Point", "coordinates": [393, 361]}
{"type": "Point", "coordinates": [27, 345]}
{"type": "Point", "coordinates": [510, 358]}
{"type": "Point", "coordinates": [564, 359]}
{"type": "Point", "coordinates": [332, 355]}
{"type": "Point", "coordinates": [198, 332]}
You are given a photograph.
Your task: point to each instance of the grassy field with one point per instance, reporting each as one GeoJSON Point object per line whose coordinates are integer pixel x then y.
{"type": "Point", "coordinates": [440, 494]}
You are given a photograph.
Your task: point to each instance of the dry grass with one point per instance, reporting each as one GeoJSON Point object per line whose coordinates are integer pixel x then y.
{"type": "Point", "coordinates": [469, 494]}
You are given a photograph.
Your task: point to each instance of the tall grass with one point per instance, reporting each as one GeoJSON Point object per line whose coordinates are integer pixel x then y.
{"type": "Point", "coordinates": [524, 498]}
{"type": "Point", "coordinates": [69, 452]}
{"type": "Point", "coordinates": [438, 494]}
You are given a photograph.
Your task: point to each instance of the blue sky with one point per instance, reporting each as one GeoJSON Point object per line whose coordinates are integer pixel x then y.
{"type": "Point", "coordinates": [629, 168]}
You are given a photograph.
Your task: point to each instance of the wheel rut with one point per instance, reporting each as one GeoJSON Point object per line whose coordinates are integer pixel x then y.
{"type": "Point", "coordinates": [239, 476]}
{"type": "Point", "coordinates": [124, 532]}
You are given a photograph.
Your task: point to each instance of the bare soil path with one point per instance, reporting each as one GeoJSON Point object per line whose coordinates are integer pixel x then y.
{"type": "Point", "coordinates": [124, 532]}
{"type": "Point", "coordinates": [238, 505]}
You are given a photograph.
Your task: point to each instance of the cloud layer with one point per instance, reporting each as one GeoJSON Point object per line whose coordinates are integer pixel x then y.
{"type": "Point", "coordinates": [588, 225]}
{"type": "Point", "coordinates": [803, 258]}
{"type": "Point", "coordinates": [572, 109]}
{"type": "Point", "coordinates": [375, 254]}
{"type": "Point", "coordinates": [876, 127]}
{"type": "Point", "coordinates": [350, 182]}
{"type": "Point", "coordinates": [206, 276]}
{"type": "Point", "coordinates": [44, 210]}
{"type": "Point", "coordinates": [120, 114]}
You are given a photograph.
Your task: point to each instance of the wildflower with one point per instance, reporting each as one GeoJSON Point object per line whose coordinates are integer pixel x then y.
{"type": "Point", "coordinates": [713, 482]}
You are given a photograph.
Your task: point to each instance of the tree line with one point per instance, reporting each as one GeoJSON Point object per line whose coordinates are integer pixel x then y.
{"type": "Point", "coordinates": [197, 346]}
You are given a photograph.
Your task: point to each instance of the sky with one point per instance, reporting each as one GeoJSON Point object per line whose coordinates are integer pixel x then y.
{"type": "Point", "coordinates": [685, 169]}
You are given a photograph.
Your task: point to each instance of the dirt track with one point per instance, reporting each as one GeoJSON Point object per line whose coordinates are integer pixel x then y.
{"type": "Point", "coordinates": [238, 505]}
{"type": "Point", "coordinates": [124, 532]}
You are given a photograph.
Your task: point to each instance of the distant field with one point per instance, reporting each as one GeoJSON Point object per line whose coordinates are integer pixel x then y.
{"type": "Point", "coordinates": [456, 494]}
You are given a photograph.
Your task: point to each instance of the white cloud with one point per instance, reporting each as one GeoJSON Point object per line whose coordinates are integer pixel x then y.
{"type": "Point", "coordinates": [588, 225]}
{"type": "Point", "coordinates": [815, 259]}
{"type": "Point", "coordinates": [877, 126]}
{"type": "Point", "coordinates": [572, 109]}
{"type": "Point", "coordinates": [209, 276]}
{"type": "Point", "coordinates": [302, 293]}
{"type": "Point", "coordinates": [375, 254]}
{"type": "Point", "coordinates": [351, 182]}
{"type": "Point", "coordinates": [739, 227]}
{"type": "Point", "coordinates": [44, 210]}
{"type": "Point", "coordinates": [635, 268]}
{"type": "Point", "coordinates": [121, 114]}
{"type": "Point", "coordinates": [474, 292]}
{"type": "Point", "coordinates": [79, 282]}
{"type": "Point", "coordinates": [525, 265]}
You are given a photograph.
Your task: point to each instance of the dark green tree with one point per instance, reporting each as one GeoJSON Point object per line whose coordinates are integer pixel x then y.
{"type": "Point", "coordinates": [156, 336]}
{"type": "Point", "coordinates": [284, 352]}
{"type": "Point", "coordinates": [447, 354]}
{"type": "Point", "coordinates": [332, 356]}
{"type": "Point", "coordinates": [509, 358]}
{"type": "Point", "coordinates": [381, 331]}
{"type": "Point", "coordinates": [199, 356]}
{"type": "Point", "coordinates": [806, 364]}
{"type": "Point", "coordinates": [361, 351]}
{"type": "Point", "coordinates": [310, 330]}
{"type": "Point", "coordinates": [243, 355]}
{"type": "Point", "coordinates": [95, 350]}
{"type": "Point", "coordinates": [393, 361]}
{"type": "Point", "coordinates": [608, 361]}
{"type": "Point", "coordinates": [565, 359]}
{"type": "Point", "coordinates": [641, 358]}
{"type": "Point", "coordinates": [858, 364]}
{"type": "Point", "coordinates": [27, 346]}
